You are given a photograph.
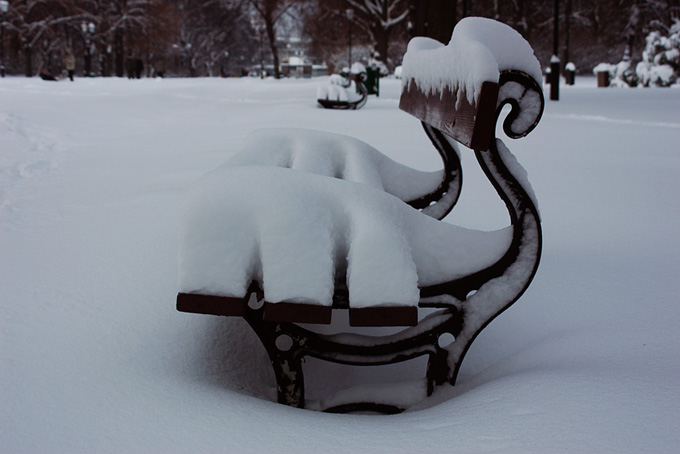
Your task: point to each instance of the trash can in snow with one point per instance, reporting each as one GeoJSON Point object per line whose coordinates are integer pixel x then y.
{"type": "Point", "coordinates": [372, 82]}
{"type": "Point", "coordinates": [603, 73]}
{"type": "Point", "coordinates": [603, 78]}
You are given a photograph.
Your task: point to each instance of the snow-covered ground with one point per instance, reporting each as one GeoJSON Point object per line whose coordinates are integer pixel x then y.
{"type": "Point", "coordinates": [94, 357]}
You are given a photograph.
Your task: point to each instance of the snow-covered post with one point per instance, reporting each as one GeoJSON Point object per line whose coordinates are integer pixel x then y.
{"type": "Point", "coordinates": [555, 60]}
{"type": "Point", "coordinates": [570, 73]}
{"type": "Point", "coordinates": [554, 78]}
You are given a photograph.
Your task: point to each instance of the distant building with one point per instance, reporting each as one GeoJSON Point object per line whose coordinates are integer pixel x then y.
{"type": "Point", "coordinates": [296, 67]}
{"type": "Point", "coordinates": [293, 54]}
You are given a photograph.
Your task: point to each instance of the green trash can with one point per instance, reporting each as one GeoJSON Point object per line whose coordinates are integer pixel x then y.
{"type": "Point", "coordinates": [372, 82]}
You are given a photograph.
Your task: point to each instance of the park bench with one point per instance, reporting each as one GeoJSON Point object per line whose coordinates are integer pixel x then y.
{"type": "Point", "coordinates": [344, 91]}
{"type": "Point", "coordinates": [284, 238]}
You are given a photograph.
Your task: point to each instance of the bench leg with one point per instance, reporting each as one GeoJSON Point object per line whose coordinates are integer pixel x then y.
{"type": "Point", "coordinates": [283, 349]}
{"type": "Point", "coordinates": [287, 344]}
{"type": "Point", "coordinates": [289, 380]}
{"type": "Point", "coordinates": [287, 364]}
{"type": "Point", "coordinates": [438, 370]}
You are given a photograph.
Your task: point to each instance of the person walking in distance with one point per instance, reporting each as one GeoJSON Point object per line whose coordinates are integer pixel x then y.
{"type": "Point", "coordinates": [70, 63]}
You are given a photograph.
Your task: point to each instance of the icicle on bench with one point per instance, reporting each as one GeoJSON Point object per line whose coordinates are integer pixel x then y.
{"type": "Point", "coordinates": [283, 236]}
{"type": "Point", "coordinates": [344, 92]}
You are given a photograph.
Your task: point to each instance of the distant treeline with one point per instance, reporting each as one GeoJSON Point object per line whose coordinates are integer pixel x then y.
{"type": "Point", "coordinates": [231, 37]}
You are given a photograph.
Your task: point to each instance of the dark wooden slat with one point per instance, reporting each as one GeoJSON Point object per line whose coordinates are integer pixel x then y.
{"type": "Point", "coordinates": [292, 312]}
{"type": "Point", "coordinates": [211, 304]}
{"type": "Point", "coordinates": [486, 116]}
{"type": "Point", "coordinates": [470, 124]}
{"type": "Point", "coordinates": [384, 316]}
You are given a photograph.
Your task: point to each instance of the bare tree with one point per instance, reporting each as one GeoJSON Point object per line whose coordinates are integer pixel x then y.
{"type": "Point", "coordinates": [128, 24]}
{"type": "Point", "coordinates": [379, 18]}
{"type": "Point", "coordinates": [210, 35]}
{"type": "Point", "coordinates": [213, 34]}
{"type": "Point", "coordinates": [34, 23]}
{"type": "Point", "coordinates": [269, 13]}
{"type": "Point", "coordinates": [433, 18]}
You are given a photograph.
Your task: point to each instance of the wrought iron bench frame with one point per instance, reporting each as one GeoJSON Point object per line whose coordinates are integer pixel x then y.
{"type": "Point", "coordinates": [444, 118]}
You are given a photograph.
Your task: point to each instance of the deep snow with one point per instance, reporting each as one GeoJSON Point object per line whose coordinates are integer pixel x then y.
{"type": "Point", "coordinates": [94, 356]}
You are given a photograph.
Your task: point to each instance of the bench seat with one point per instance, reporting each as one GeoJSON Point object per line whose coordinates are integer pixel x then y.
{"type": "Point", "coordinates": [309, 241]}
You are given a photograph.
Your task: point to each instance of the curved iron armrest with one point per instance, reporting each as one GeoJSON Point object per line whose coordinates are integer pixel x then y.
{"type": "Point", "coordinates": [441, 201]}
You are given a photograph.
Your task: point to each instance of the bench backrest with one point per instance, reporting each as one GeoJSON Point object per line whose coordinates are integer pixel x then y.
{"type": "Point", "coordinates": [452, 113]}
{"type": "Point", "coordinates": [457, 88]}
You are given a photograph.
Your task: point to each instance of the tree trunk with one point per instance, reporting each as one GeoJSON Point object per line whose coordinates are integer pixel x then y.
{"type": "Point", "coordinates": [28, 53]}
{"type": "Point", "coordinates": [434, 19]}
{"type": "Point", "coordinates": [271, 36]}
{"type": "Point", "coordinates": [119, 53]}
{"type": "Point", "coordinates": [107, 62]}
{"type": "Point", "coordinates": [566, 58]}
{"type": "Point", "coordinates": [521, 19]}
{"type": "Point", "coordinates": [382, 41]}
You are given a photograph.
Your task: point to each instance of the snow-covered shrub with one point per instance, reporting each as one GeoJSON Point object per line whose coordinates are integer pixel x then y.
{"type": "Point", "coordinates": [375, 63]}
{"type": "Point", "coordinates": [660, 63]}
{"type": "Point", "coordinates": [620, 74]}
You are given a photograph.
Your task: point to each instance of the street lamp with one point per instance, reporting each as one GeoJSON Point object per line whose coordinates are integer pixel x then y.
{"type": "Point", "coordinates": [350, 17]}
{"type": "Point", "coordinates": [260, 33]}
{"type": "Point", "coordinates": [555, 60]}
{"type": "Point", "coordinates": [182, 56]}
{"type": "Point", "coordinates": [4, 5]}
{"type": "Point", "coordinates": [88, 31]}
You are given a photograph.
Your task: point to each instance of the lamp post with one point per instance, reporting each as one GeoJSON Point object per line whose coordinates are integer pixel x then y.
{"type": "Point", "coordinates": [4, 5]}
{"type": "Point", "coordinates": [88, 31]}
{"type": "Point", "coordinates": [350, 18]}
{"type": "Point", "coordinates": [555, 60]}
{"type": "Point", "coordinates": [260, 32]}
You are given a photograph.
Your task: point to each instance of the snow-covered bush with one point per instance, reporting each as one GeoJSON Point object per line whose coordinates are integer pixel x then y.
{"type": "Point", "coordinates": [620, 74]}
{"type": "Point", "coordinates": [660, 63]}
{"type": "Point", "coordinates": [375, 63]}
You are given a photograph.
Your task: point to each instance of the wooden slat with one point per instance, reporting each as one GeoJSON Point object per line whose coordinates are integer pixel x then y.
{"type": "Point", "coordinates": [292, 312]}
{"type": "Point", "coordinates": [384, 316]}
{"type": "Point", "coordinates": [469, 124]}
{"type": "Point", "coordinates": [210, 304]}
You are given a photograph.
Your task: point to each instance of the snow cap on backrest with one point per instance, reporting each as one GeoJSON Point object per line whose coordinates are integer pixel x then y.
{"type": "Point", "coordinates": [479, 50]}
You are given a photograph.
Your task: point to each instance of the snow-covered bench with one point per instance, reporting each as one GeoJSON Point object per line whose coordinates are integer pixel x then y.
{"type": "Point", "coordinates": [344, 92]}
{"type": "Point", "coordinates": [284, 236]}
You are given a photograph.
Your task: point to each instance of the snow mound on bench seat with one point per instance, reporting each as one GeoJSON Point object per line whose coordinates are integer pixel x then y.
{"type": "Point", "coordinates": [295, 232]}
{"type": "Point", "coordinates": [334, 155]}
{"type": "Point", "coordinates": [336, 91]}
{"type": "Point", "coordinates": [479, 50]}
